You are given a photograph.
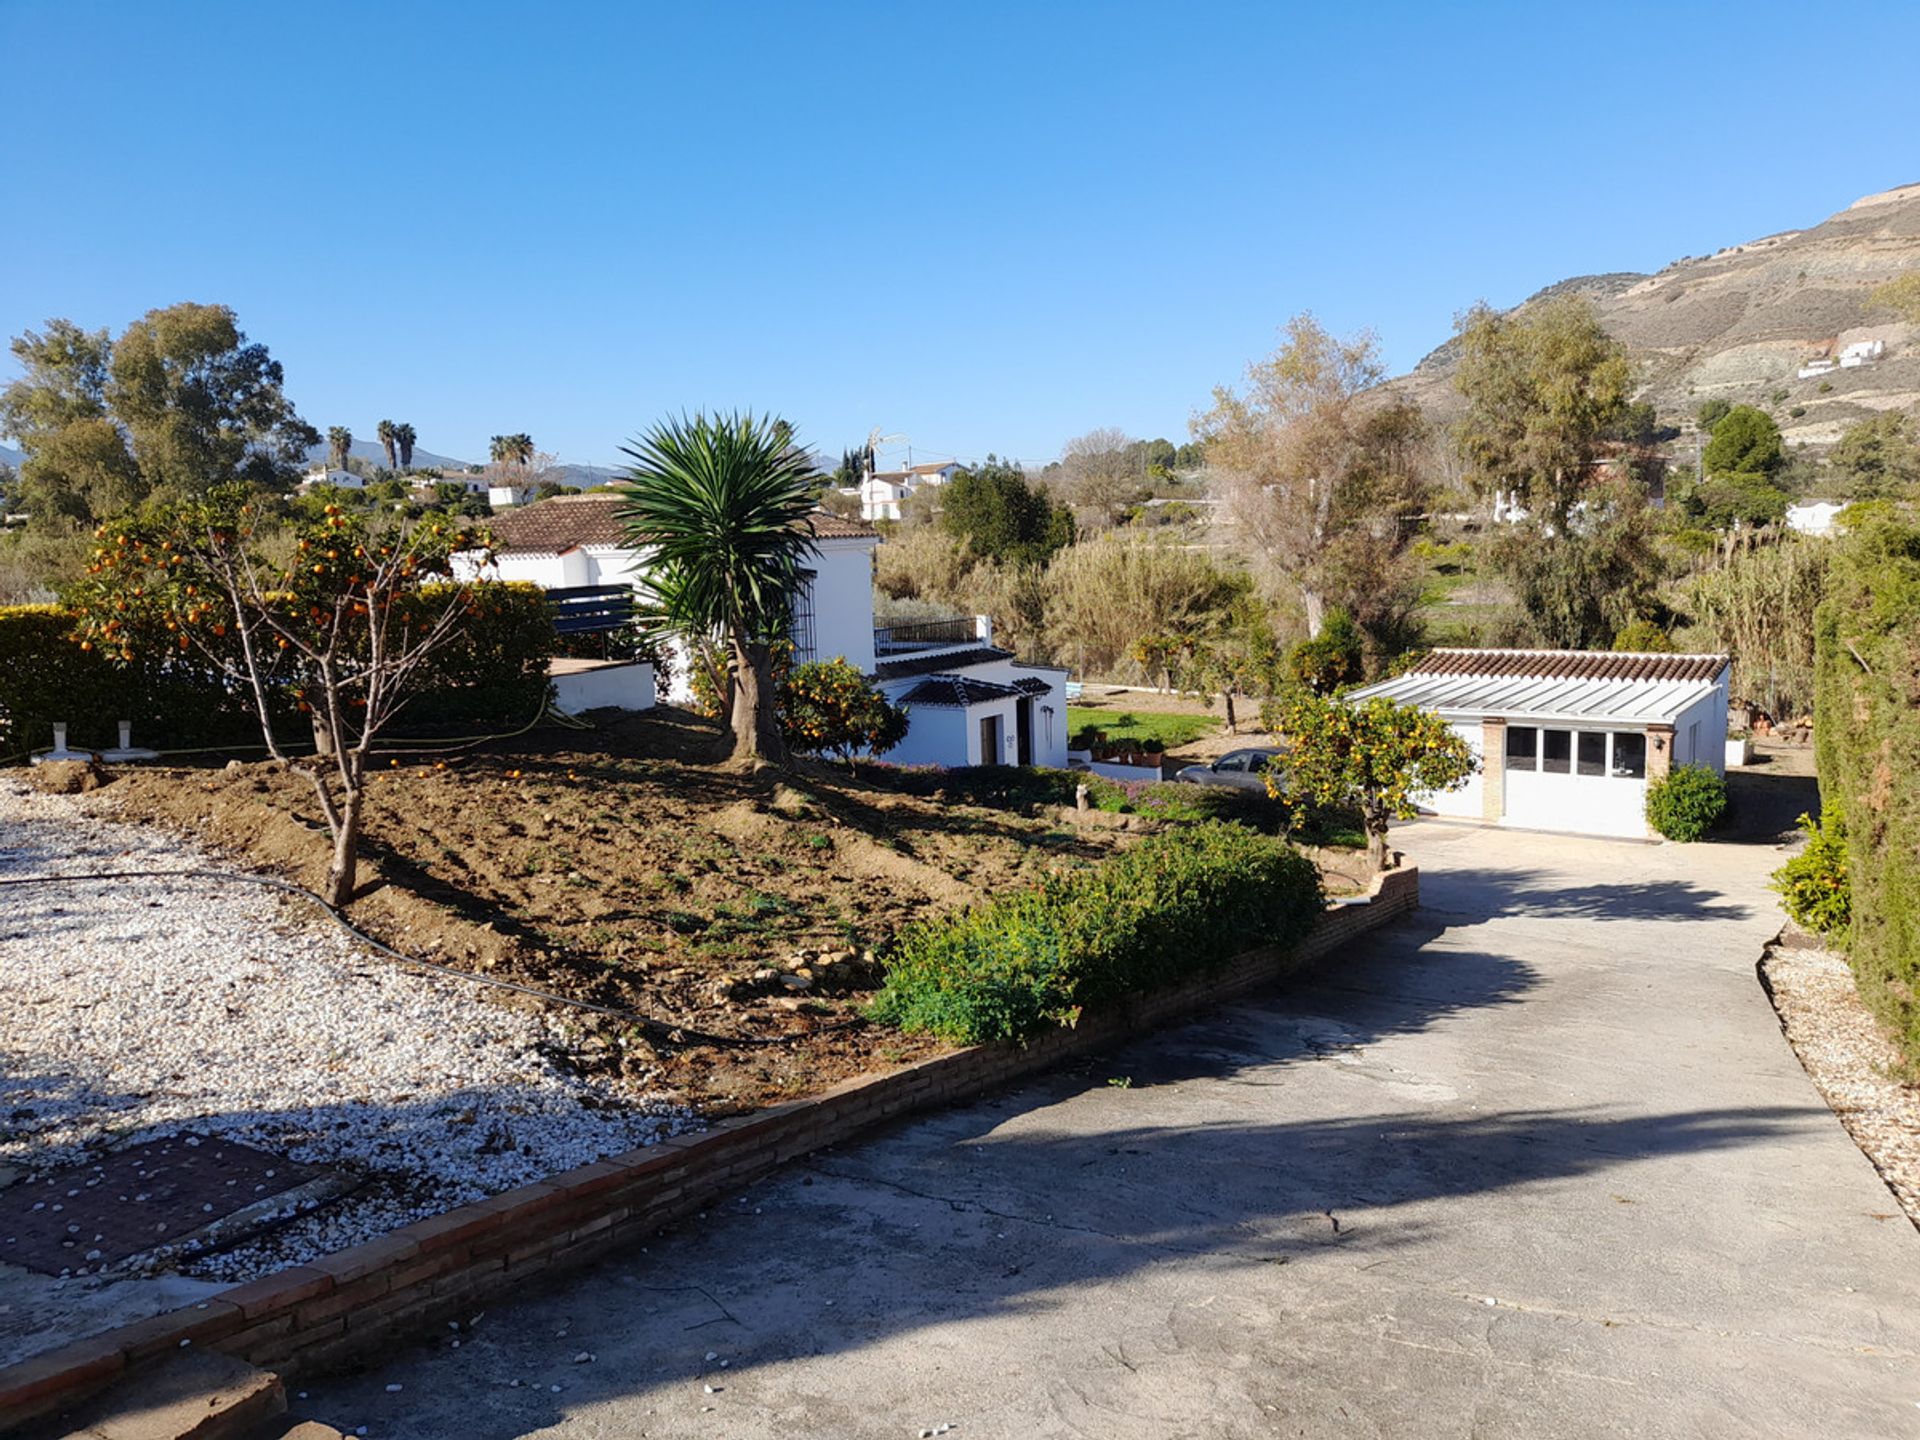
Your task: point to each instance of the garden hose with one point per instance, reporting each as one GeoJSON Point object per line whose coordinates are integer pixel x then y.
{"type": "Point", "coordinates": [673, 1034]}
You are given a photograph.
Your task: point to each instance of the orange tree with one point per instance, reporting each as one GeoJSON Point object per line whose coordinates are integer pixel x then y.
{"type": "Point", "coordinates": [830, 707]}
{"type": "Point", "coordinates": [1376, 756]}
{"type": "Point", "coordinates": [326, 613]}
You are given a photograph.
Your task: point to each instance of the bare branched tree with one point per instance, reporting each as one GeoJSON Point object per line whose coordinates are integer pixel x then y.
{"type": "Point", "coordinates": [331, 617]}
{"type": "Point", "coordinates": [1319, 476]}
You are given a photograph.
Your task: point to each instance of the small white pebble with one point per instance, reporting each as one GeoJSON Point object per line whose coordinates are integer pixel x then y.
{"type": "Point", "coordinates": [395, 1389]}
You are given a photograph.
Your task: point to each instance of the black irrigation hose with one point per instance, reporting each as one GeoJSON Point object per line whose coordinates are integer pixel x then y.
{"type": "Point", "coordinates": [673, 1034]}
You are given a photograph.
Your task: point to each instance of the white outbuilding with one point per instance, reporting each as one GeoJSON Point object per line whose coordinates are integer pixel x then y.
{"type": "Point", "coordinates": [1569, 740]}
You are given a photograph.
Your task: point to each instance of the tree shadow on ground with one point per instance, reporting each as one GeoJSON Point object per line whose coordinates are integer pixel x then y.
{"type": "Point", "coordinates": [1482, 894]}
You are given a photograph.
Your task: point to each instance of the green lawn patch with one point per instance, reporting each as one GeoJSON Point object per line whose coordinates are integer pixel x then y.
{"type": "Point", "coordinates": [1124, 725]}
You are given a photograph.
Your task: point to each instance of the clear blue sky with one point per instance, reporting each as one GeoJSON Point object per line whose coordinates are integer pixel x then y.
{"type": "Point", "coordinates": [987, 227]}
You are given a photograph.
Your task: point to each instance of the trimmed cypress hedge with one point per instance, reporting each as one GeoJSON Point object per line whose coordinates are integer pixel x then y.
{"type": "Point", "coordinates": [1867, 709]}
{"type": "Point", "coordinates": [1174, 905]}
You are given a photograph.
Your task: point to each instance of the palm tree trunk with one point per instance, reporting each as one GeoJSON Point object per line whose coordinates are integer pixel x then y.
{"type": "Point", "coordinates": [756, 723]}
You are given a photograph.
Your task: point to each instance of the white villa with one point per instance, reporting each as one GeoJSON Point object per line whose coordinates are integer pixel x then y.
{"type": "Point", "coordinates": [970, 702]}
{"type": "Point", "coordinates": [1568, 740]}
{"type": "Point", "coordinates": [319, 475]}
{"type": "Point", "coordinates": [1814, 517]}
{"type": "Point", "coordinates": [882, 493]}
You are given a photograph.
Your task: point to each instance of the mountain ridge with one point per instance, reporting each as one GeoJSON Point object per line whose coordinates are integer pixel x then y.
{"type": "Point", "coordinates": [1740, 323]}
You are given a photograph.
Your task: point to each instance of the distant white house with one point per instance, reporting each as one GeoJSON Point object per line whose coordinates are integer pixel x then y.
{"type": "Point", "coordinates": [1851, 357]}
{"type": "Point", "coordinates": [1568, 740]}
{"type": "Point", "coordinates": [883, 492]}
{"type": "Point", "coordinates": [320, 475]}
{"type": "Point", "coordinates": [1862, 352]}
{"type": "Point", "coordinates": [969, 701]}
{"type": "Point", "coordinates": [501, 496]}
{"type": "Point", "coordinates": [1813, 517]}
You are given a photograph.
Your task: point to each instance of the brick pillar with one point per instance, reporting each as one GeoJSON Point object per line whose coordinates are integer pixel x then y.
{"type": "Point", "coordinates": [1659, 752]}
{"type": "Point", "coordinates": [1493, 769]}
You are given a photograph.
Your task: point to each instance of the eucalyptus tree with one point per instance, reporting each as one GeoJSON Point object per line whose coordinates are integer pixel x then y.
{"type": "Point", "coordinates": [720, 506]}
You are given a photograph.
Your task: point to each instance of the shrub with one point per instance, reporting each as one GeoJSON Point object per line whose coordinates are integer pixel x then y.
{"type": "Point", "coordinates": [1329, 660]}
{"type": "Point", "coordinates": [492, 675]}
{"type": "Point", "coordinates": [1174, 905]}
{"type": "Point", "coordinates": [1643, 637]}
{"type": "Point", "coordinates": [829, 706]}
{"type": "Point", "coordinates": [1684, 805]}
{"type": "Point", "coordinates": [46, 677]}
{"type": "Point", "coordinates": [1814, 884]}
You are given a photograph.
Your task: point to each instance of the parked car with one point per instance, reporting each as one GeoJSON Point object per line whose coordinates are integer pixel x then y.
{"type": "Point", "coordinates": [1241, 769]}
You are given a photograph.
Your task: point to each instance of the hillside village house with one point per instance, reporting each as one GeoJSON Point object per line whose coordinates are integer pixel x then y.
{"type": "Point", "coordinates": [969, 701]}
{"type": "Point", "coordinates": [882, 493]}
{"type": "Point", "coordinates": [1569, 740]}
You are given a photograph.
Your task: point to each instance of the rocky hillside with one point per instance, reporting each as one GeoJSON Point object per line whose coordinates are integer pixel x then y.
{"type": "Point", "coordinates": [1742, 322]}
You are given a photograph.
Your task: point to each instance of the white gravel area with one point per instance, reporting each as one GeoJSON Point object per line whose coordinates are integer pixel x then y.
{"type": "Point", "coordinates": [1850, 1061]}
{"type": "Point", "coordinates": [137, 1009]}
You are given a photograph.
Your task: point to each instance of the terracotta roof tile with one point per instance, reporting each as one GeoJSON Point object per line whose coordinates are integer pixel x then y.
{"type": "Point", "coordinates": [568, 521]}
{"type": "Point", "coordinates": [1571, 665]}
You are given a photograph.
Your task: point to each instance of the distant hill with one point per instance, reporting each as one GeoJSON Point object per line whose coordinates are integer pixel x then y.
{"type": "Point", "coordinates": [371, 452]}
{"type": "Point", "coordinates": [585, 477]}
{"type": "Point", "coordinates": [1739, 324]}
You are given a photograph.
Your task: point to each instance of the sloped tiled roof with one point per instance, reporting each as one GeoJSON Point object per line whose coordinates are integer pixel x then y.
{"type": "Point", "coordinates": [568, 521]}
{"type": "Point", "coordinates": [829, 526]}
{"type": "Point", "coordinates": [956, 691]}
{"type": "Point", "coordinates": [938, 660]}
{"type": "Point", "coordinates": [1031, 685]}
{"type": "Point", "coordinates": [559, 524]}
{"type": "Point", "coordinates": [1571, 665]}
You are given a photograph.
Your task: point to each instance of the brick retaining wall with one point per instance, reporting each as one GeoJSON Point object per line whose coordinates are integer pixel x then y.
{"type": "Point", "coordinates": [341, 1307]}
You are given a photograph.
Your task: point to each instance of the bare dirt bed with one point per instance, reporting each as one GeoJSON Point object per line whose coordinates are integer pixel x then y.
{"type": "Point", "coordinates": [627, 868]}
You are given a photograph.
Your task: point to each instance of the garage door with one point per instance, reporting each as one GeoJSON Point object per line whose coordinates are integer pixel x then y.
{"type": "Point", "coordinates": [1585, 782]}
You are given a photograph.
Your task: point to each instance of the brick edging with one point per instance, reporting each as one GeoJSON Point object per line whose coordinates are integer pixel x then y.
{"type": "Point", "coordinates": [337, 1308]}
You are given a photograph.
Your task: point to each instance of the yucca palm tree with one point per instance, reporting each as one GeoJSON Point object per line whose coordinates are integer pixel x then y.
{"type": "Point", "coordinates": [719, 505]}
{"type": "Point", "coordinates": [403, 437]}
{"type": "Point", "coordinates": [339, 445]}
{"type": "Point", "coordinates": [385, 431]}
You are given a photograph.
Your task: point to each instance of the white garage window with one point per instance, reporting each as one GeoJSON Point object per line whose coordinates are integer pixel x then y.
{"type": "Point", "coordinates": [1523, 747]}
{"type": "Point", "coordinates": [1556, 751]}
{"type": "Point", "coordinates": [1629, 755]}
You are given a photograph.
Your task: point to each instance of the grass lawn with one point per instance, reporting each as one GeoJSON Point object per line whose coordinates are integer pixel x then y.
{"type": "Point", "coordinates": [1121, 724]}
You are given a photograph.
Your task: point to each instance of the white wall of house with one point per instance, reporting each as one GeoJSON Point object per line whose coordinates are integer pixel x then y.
{"type": "Point", "coordinates": [1813, 517]}
{"type": "Point", "coordinates": [843, 601]}
{"type": "Point", "coordinates": [1700, 732]}
{"type": "Point", "coordinates": [1466, 800]}
{"type": "Point", "coordinates": [935, 736]}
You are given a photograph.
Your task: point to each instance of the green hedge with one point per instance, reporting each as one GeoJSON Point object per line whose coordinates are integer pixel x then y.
{"type": "Point", "coordinates": [492, 676]}
{"type": "Point", "coordinates": [1174, 905]}
{"type": "Point", "coordinates": [173, 701]}
{"type": "Point", "coordinates": [1867, 728]}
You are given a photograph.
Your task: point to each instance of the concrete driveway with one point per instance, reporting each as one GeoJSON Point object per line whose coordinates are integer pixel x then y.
{"type": "Point", "coordinates": [1536, 1162]}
